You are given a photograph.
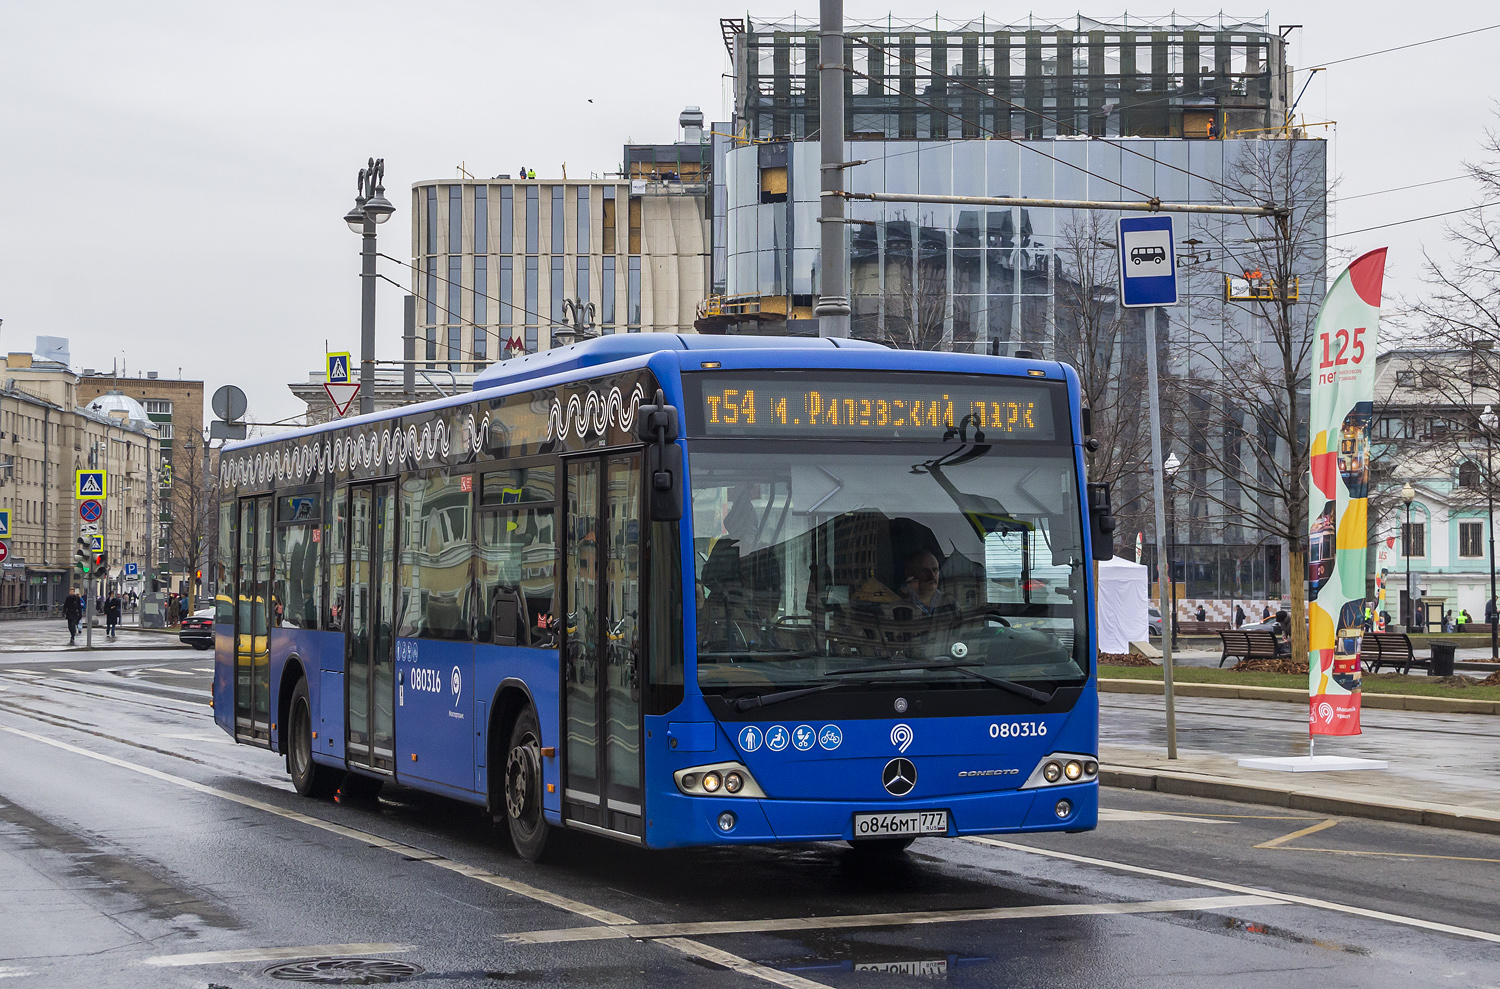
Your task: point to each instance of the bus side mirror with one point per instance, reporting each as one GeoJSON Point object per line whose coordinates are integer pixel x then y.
{"type": "Point", "coordinates": [1101, 521]}
{"type": "Point", "coordinates": [656, 426]}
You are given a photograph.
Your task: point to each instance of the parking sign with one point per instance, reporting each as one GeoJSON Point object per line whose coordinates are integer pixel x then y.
{"type": "Point", "coordinates": [132, 569]}
{"type": "Point", "coordinates": [1148, 264]}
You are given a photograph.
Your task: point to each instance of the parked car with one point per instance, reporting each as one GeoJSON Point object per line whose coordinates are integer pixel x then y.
{"type": "Point", "coordinates": [198, 629]}
{"type": "Point", "coordinates": [1155, 626]}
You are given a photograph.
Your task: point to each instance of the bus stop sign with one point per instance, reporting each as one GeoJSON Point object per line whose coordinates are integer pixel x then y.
{"type": "Point", "coordinates": [1148, 265]}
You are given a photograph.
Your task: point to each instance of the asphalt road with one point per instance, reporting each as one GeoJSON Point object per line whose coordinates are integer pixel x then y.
{"type": "Point", "coordinates": [139, 847]}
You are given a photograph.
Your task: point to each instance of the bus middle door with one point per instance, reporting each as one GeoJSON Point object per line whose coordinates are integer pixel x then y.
{"type": "Point", "coordinates": [602, 644]}
{"type": "Point", "coordinates": [369, 724]}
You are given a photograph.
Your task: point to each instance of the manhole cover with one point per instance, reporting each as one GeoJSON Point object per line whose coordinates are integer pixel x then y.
{"type": "Point", "coordinates": [345, 971]}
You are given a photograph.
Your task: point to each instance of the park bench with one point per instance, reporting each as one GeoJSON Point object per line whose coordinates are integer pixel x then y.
{"type": "Point", "coordinates": [1474, 628]}
{"type": "Point", "coordinates": [1255, 644]}
{"type": "Point", "coordinates": [1200, 628]}
{"type": "Point", "coordinates": [1392, 649]}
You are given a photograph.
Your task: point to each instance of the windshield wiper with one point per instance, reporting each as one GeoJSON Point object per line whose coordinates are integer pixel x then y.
{"type": "Point", "coordinates": [776, 697]}
{"type": "Point", "coordinates": [1019, 689]}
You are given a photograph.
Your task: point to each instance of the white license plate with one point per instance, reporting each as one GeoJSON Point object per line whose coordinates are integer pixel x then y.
{"type": "Point", "coordinates": [895, 825]}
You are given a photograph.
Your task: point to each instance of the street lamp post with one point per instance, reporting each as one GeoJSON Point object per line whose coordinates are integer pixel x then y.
{"type": "Point", "coordinates": [581, 315]}
{"type": "Point", "coordinates": [1169, 471]}
{"type": "Point", "coordinates": [1408, 494]}
{"type": "Point", "coordinates": [370, 207]}
{"type": "Point", "coordinates": [1490, 422]}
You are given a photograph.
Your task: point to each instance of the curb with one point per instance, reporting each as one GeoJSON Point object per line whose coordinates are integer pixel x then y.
{"type": "Point", "coordinates": [1373, 702]}
{"type": "Point", "coordinates": [1219, 788]}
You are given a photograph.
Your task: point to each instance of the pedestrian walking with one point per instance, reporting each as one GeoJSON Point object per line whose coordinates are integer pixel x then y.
{"type": "Point", "coordinates": [1239, 616]}
{"type": "Point", "coordinates": [1265, 613]}
{"type": "Point", "coordinates": [1448, 621]}
{"type": "Point", "coordinates": [1202, 615]}
{"type": "Point", "coordinates": [73, 612]}
{"type": "Point", "coordinates": [111, 615]}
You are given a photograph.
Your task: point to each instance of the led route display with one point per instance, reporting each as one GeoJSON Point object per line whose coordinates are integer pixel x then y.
{"type": "Point", "coordinates": [883, 406]}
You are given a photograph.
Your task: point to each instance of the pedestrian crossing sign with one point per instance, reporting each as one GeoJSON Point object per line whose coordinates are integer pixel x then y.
{"type": "Point", "coordinates": [90, 484]}
{"type": "Point", "coordinates": [96, 544]}
{"type": "Point", "coordinates": [338, 369]}
{"type": "Point", "coordinates": [5, 524]}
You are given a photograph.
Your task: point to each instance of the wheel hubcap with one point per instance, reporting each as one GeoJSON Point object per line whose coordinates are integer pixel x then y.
{"type": "Point", "coordinates": [521, 776]}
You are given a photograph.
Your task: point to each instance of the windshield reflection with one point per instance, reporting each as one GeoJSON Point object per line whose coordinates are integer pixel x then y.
{"type": "Point", "coordinates": [817, 559]}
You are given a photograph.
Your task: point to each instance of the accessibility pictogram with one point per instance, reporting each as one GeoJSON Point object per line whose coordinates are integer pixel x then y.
{"type": "Point", "coordinates": [338, 369]}
{"type": "Point", "coordinates": [90, 510]}
{"type": "Point", "coordinates": [90, 484]}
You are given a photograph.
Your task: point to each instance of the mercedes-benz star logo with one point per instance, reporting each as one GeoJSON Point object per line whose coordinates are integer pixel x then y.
{"type": "Point", "coordinates": [899, 777]}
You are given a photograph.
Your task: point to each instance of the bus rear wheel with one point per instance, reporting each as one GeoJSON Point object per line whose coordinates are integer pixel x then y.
{"type": "Point", "coordinates": [310, 779]}
{"type": "Point", "coordinates": [523, 788]}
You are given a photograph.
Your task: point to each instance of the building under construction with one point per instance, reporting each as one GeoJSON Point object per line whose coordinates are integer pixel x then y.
{"type": "Point", "coordinates": [939, 78]}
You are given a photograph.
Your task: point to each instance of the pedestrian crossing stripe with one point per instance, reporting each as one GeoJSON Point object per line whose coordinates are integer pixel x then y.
{"type": "Point", "coordinates": [90, 484]}
{"type": "Point", "coordinates": [338, 369]}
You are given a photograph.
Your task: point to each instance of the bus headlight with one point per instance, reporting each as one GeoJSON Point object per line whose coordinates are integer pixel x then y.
{"type": "Point", "coordinates": [1060, 768]}
{"type": "Point", "coordinates": [721, 779]}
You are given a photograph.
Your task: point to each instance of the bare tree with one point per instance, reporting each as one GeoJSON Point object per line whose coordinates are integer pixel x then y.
{"type": "Point", "coordinates": [1105, 343]}
{"type": "Point", "coordinates": [195, 504]}
{"type": "Point", "coordinates": [1240, 390]}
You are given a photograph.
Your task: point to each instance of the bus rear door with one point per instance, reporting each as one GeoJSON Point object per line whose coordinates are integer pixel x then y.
{"type": "Point", "coordinates": [601, 645]}
{"type": "Point", "coordinates": [252, 624]}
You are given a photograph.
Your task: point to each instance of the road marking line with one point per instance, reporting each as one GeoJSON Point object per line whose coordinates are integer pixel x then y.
{"type": "Point", "coordinates": [691, 948]}
{"type": "Point", "coordinates": [1402, 855]}
{"type": "Point", "coordinates": [1306, 901]}
{"type": "Point", "coordinates": [744, 966]}
{"type": "Point", "coordinates": [1107, 814]}
{"type": "Point", "coordinates": [1278, 842]}
{"type": "Point", "coordinates": [14, 972]}
{"type": "Point", "coordinates": [272, 954]}
{"type": "Point", "coordinates": [26, 673]}
{"type": "Point", "coordinates": [203, 669]}
{"type": "Point", "coordinates": [846, 922]}
{"type": "Point", "coordinates": [64, 669]}
{"type": "Point", "coordinates": [162, 669]}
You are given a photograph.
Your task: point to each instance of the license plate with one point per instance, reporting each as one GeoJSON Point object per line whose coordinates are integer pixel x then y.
{"type": "Point", "coordinates": [910, 822]}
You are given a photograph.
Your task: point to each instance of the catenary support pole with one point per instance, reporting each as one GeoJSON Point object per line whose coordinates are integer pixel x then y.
{"type": "Point", "coordinates": [409, 349]}
{"type": "Point", "coordinates": [833, 290]}
{"type": "Point", "coordinates": [1163, 574]}
{"type": "Point", "coordinates": [367, 319]}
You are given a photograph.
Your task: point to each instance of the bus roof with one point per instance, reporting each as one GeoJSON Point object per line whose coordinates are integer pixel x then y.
{"type": "Point", "coordinates": [622, 346]}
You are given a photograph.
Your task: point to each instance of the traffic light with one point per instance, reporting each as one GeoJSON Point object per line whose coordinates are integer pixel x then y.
{"type": "Point", "coordinates": [198, 577]}
{"type": "Point", "coordinates": [101, 565]}
{"type": "Point", "coordinates": [85, 558]}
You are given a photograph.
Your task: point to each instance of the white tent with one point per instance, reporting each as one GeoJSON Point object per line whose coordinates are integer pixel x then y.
{"type": "Point", "coordinates": [1124, 605]}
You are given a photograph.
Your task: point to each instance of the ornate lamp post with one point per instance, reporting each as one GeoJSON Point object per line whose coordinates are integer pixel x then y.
{"type": "Point", "coordinates": [581, 315]}
{"type": "Point", "coordinates": [1408, 494]}
{"type": "Point", "coordinates": [1489, 423]}
{"type": "Point", "coordinates": [370, 207]}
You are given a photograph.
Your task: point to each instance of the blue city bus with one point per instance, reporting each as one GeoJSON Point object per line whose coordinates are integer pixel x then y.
{"type": "Point", "coordinates": [683, 590]}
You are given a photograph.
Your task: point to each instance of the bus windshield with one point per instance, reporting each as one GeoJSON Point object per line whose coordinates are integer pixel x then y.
{"type": "Point", "coordinates": [818, 561]}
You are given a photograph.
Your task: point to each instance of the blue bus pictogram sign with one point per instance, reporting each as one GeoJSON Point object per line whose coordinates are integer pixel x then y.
{"type": "Point", "coordinates": [1148, 264]}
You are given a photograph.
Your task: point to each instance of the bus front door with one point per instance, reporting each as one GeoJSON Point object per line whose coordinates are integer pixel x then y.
{"type": "Point", "coordinates": [369, 664]}
{"type": "Point", "coordinates": [602, 645]}
{"type": "Point", "coordinates": [252, 624]}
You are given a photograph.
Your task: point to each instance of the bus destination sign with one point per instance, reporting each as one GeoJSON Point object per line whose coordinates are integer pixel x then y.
{"type": "Point", "coordinates": [883, 407]}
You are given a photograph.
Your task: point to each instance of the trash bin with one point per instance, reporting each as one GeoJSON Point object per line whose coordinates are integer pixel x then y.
{"type": "Point", "coordinates": [1442, 659]}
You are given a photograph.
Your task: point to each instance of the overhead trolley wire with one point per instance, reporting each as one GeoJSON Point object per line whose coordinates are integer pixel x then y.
{"type": "Point", "coordinates": [1387, 51]}
{"type": "Point", "coordinates": [1416, 219]}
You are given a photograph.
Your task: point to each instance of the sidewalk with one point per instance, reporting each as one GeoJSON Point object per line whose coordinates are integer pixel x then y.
{"type": "Point", "coordinates": [50, 635]}
{"type": "Point", "coordinates": [1409, 792]}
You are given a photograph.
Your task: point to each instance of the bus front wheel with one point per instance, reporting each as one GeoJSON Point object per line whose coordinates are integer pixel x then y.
{"type": "Point", "coordinates": [523, 787]}
{"type": "Point", "coordinates": [310, 779]}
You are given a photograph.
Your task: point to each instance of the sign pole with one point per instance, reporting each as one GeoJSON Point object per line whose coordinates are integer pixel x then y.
{"type": "Point", "coordinates": [1163, 574]}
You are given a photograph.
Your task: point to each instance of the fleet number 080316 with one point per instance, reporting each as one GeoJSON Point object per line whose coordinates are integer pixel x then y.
{"type": "Point", "coordinates": [1018, 729]}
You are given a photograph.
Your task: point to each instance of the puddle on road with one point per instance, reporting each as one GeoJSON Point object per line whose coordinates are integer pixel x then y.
{"type": "Point", "coordinates": [161, 894]}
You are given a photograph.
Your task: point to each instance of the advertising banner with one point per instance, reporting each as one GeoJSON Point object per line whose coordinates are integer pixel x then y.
{"type": "Point", "coordinates": [1343, 401]}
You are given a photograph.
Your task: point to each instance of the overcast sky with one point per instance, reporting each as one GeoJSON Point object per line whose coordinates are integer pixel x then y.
{"type": "Point", "coordinates": [173, 176]}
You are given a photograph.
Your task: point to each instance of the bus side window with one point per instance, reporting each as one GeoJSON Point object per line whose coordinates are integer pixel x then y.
{"type": "Point", "coordinates": [336, 534]}
{"type": "Point", "coordinates": [517, 569]}
{"type": "Point", "coordinates": [664, 661]}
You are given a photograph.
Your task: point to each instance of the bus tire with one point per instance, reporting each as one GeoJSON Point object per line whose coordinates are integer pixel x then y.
{"type": "Point", "coordinates": [881, 847]}
{"type": "Point", "coordinates": [310, 779]}
{"type": "Point", "coordinates": [522, 787]}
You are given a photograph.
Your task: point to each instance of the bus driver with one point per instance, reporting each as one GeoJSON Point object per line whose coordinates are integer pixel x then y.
{"type": "Point", "coordinates": [921, 585]}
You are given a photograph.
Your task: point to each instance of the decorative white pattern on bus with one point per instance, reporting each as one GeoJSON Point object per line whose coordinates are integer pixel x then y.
{"type": "Point", "coordinates": [595, 413]}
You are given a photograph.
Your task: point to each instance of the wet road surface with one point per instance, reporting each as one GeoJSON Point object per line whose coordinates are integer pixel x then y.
{"type": "Point", "coordinates": [139, 847]}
